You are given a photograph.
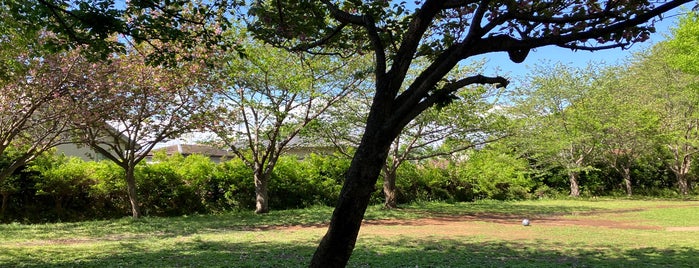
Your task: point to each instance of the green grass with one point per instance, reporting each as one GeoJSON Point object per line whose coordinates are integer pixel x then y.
{"type": "Point", "coordinates": [242, 239]}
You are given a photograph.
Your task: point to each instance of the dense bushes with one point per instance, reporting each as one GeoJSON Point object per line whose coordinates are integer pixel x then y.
{"type": "Point", "coordinates": [61, 189]}
{"type": "Point", "coordinates": [488, 174]}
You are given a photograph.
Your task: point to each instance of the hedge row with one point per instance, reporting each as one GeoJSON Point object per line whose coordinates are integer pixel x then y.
{"type": "Point", "coordinates": [61, 189]}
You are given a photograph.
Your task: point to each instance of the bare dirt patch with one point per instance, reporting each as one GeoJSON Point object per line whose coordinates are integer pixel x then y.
{"type": "Point", "coordinates": [683, 229]}
{"type": "Point", "coordinates": [504, 225]}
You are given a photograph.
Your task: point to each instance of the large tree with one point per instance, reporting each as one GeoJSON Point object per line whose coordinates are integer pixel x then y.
{"type": "Point", "coordinates": [269, 97]}
{"type": "Point", "coordinates": [446, 32]}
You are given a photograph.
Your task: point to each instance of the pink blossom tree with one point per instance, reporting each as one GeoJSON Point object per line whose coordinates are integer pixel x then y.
{"type": "Point", "coordinates": [130, 106]}
{"type": "Point", "coordinates": [34, 114]}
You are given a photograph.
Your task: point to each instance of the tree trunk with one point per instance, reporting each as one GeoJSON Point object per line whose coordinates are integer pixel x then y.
{"type": "Point", "coordinates": [261, 191]}
{"type": "Point", "coordinates": [336, 247]}
{"type": "Point", "coordinates": [59, 205]}
{"type": "Point", "coordinates": [681, 168]}
{"type": "Point", "coordinates": [3, 207]}
{"type": "Point", "coordinates": [389, 188]}
{"type": "Point", "coordinates": [627, 180]}
{"type": "Point", "coordinates": [683, 184]}
{"type": "Point", "coordinates": [574, 188]}
{"type": "Point", "coordinates": [131, 187]}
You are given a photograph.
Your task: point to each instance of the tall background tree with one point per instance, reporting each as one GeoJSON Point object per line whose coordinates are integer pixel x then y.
{"type": "Point", "coordinates": [685, 40]}
{"type": "Point", "coordinates": [674, 99]}
{"type": "Point", "coordinates": [628, 123]}
{"type": "Point", "coordinates": [562, 127]}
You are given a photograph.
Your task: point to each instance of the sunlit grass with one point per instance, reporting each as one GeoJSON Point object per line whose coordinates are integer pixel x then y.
{"type": "Point", "coordinates": [288, 238]}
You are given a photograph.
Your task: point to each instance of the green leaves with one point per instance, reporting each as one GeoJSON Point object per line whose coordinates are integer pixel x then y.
{"type": "Point", "coordinates": [685, 44]}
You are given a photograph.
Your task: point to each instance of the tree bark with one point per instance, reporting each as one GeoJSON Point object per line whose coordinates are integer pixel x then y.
{"type": "Point", "coordinates": [681, 168]}
{"type": "Point", "coordinates": [261, 191]}
{"type": "Point", "coordinates": [627, 180]}
{"type": "Point", "coordinates": [131, 188]}
{"type": "Point", "coordinates": [683, 184]}
{"type": "Point", "coordinates": [574, 187]}
{"type": "Point", "coordinates": [336, 247]}
{"type": "Point", "coordinates": [389, 188]}
{"type": "Point", "coordinates": [3, 207]}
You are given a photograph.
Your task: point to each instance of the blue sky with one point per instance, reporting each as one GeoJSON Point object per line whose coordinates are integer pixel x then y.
{"type": "Point", "coordinates": [499, 63]}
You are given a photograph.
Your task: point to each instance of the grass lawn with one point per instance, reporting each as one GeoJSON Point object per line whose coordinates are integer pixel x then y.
{"type": "Point", "coordinates": [564, 233]}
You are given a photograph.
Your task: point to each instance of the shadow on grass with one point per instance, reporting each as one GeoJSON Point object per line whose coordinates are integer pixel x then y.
{"type": "Point", "coordinates": [458, 253]}
{"type": "Point", "coordinates": [395, 253]}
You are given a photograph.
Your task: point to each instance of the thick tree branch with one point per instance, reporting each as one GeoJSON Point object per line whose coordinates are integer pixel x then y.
{"type": "Point", "coordinates": [508, 43]}
{"type": "Point", "coordinates": [408, 110]}
{"type": "Point", "coordinates": [411, 40]}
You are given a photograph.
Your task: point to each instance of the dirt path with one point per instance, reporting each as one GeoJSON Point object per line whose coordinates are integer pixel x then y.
{"type": "Point", "coordinates": [474, 224]}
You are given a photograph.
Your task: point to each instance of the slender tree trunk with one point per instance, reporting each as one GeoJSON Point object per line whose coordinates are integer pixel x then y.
{"type": "Point", "coordinates": [4, 175]}
{"type": "Point", "coordinates": [389, 188]}
{"type": "Point", "coordinates": [131, 187]}
{"type": "Point", "coordinates": [683, 184]}
{"type": "Point", "coordinates": [336, 247]}
{"type": "Point", "coordinates": [261, 191]}
{"type": "Point", "coordinates": [574, 187]}
{"type": "Point", "coordinates": [3, 207]}
{"type": "Point", "coordinates": [681, 168]}
{"type": "Point", "coordinates": [627, 180]}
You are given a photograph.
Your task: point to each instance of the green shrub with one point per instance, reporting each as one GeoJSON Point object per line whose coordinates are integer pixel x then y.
{"type": "Point", "coordinates": [496, 175]}
{"type": "Point", "coordinates": [430, 182]}
{"type": "Point", "coordinates": [327, 174]}
{"type": "Point", "coordinates": [163, 192]}
{"type": "Point", "coordinates": [315, 180]}
{"type": "Point", "coordinates": [199, 174]}
{"type": "Point", "coordinates": [108, 190]}
{"type": "Point", "coordinates": [66, 181]}
{"type": "Point", "coordinates": [233, 180]}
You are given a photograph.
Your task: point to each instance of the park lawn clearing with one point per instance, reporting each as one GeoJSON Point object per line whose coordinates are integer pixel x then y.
{"type": "Point", "coordinates": [580, 233]}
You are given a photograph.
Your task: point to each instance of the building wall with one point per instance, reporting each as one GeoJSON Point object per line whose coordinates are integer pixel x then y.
{"type": "Point", "coordinates": [84, 152]}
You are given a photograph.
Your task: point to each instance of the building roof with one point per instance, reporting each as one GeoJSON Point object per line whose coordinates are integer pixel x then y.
{"type": "Point", "coordinates": [189, 149]}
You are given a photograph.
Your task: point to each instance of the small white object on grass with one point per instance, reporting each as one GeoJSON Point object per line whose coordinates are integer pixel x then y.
{"type": "Point", "coordinates": [525, 222]}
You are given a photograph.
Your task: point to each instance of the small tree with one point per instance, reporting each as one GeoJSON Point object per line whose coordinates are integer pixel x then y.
{"type": "Point", "coordinates": [129, 107]}
{"type": "Point", "coordinates": [271, 96]}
